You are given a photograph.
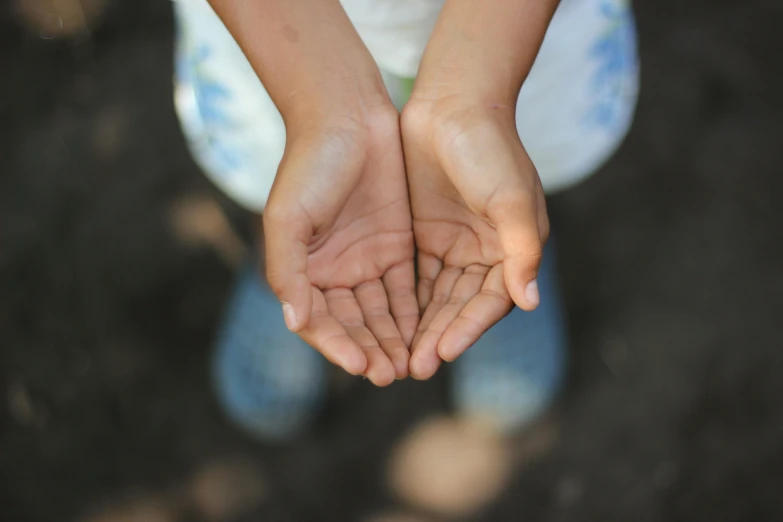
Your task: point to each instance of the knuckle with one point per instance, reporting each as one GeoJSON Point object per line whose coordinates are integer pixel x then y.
{"type": "Point", "coordinates": [502, 298]}
{"type": "Point", "coordinates": [535, 255]}
{"type": "Point", "coordinates": [530, 256]}
{"type": "Point", "coordinates": [439, 298]}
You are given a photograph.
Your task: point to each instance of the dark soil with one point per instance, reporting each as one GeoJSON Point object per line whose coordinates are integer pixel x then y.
{"type": "Point", "coordinates": [671, 259]}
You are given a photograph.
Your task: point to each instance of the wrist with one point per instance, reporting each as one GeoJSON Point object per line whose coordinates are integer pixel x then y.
{"type": "Point", "coordinates": [450, 83]}
{"type": "Point", "coordinates": [439, 119]}
{"type": "Point", "coordinates": [328, 100]}
{"type": "Point", "coordinates": [353, 121]}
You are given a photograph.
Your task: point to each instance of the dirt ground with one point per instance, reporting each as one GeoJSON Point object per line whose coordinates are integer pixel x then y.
{"type": "Point", "coordinates": [114, 266]}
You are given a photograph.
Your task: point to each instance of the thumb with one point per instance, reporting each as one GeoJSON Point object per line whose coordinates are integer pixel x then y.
{"type": "Point", "coordinates": [516, 218]}
{"type": "Point", "coordinates": [286, 236]}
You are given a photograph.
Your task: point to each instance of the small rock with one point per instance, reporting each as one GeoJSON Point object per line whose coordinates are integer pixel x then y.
{"type": "Point", "coordinates": [59, 18]}
{"type": "Point", "coordinates": [225, 489]}
{"type": "Point", "coordinates": [198, 220]}
{"type": "Point", "coordinates": [449, 467]}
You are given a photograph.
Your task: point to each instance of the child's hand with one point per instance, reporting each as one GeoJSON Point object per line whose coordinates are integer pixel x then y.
{"type": "Point", "coordinates": [479, 220]}
{"type": "Point", "coordinates": [337, 225]}
{"type": "Point", "coordinates": [339, 244]}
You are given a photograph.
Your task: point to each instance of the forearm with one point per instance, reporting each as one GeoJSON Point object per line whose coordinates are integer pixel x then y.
{"type": "Point", "coordinates": [307, 54]}
{"type": "Point", "coordinates": [483, 50]}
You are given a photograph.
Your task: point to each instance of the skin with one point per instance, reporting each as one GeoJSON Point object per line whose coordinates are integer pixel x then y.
{"type": "Point", "coordinates": [337, 226]}
{"type": "Point", "coordinates": [479, 212]}
{"type": "Point", "coordinates": [340, 221]}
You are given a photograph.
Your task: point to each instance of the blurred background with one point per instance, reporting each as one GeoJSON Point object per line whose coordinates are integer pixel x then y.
{"type": "Point", "coordinates": [117, 256]}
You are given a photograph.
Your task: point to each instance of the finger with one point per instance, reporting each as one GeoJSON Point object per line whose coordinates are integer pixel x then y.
{"type": "Point", "coordinates": [286, 235]}
{"type": "Point", "coordinates": [343, 306]}
{"type": "Point", "coordinates": [324, 333]}
{"type": "Point", "coordinates": [429, 268]}
{"type": "Point", "coordinates": [400, 285]}
{"type": "Point", "coordinates": [380, 370]}
{"type": "Point", "coordinates": [424, 350]}
{"type": "Point", "coordinates": [488, 307]}
{"type": "Point", "coordinates": [514, 213]}
{"type": "Point", "coordinates": [468, 285]}
{"type": "Point", "coordinates": [374, 305]}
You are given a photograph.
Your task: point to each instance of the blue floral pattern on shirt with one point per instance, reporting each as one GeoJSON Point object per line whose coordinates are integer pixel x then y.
{"type": "Point", "coordinates": [615, 52]}
{"type": "Point", "coordinates": [211, 97]}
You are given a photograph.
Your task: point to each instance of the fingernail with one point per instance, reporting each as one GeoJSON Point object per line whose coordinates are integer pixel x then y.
{"type": "Point", "coordinates": [290, 316]}
{"type": "Point", "coordinates": [531, 292]}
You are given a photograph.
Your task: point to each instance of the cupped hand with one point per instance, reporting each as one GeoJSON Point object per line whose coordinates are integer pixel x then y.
{"type": "Point", "coordinates": [479, 220]}
{"type": "Point", "coordinates": [339, 243]}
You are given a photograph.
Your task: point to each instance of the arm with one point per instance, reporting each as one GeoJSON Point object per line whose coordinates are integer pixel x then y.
{"type": "Point", "coordinates": [483, 50]}
{"type": "Point", "coordinates": [308, 56]}
{"type": "Point", "coordinates": [337, 226]}
{"type": "Point", "coordinates": [479, 213]}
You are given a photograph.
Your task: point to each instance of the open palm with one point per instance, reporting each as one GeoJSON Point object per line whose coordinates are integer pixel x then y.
{"type": "Point", "coordinates": [339, 246]}
{"type": "Point", "coordinates": [479, 223]}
